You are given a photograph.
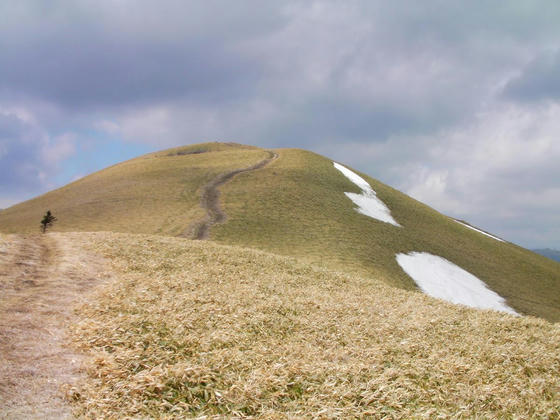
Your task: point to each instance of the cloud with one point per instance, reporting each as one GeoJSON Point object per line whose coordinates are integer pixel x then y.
{"type": "Point", "coordinates": [396, 66]}
{"type": "Point", "coordinates": [539, 80]}
{"type": "Point", "coordinates": [106, 126]}
{"type": "Point", "coordinates": [452, 103]}
{"type": "Point", "coordinates": [59, 148]}
{"type": "Point", "coordinates": [93, 54]}
{"type": "Point", "coordinates": [505, 163]}
{"type": "Point", "coordinates": [29, 157]}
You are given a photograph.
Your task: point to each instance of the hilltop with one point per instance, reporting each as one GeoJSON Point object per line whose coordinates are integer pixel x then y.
{"type": "Point", "coordinates": [297, 204]}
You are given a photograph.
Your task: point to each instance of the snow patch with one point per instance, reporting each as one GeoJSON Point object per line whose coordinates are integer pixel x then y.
{"type": "Point", "coordinates": [367, 202]}
{"type": "Point", "coordinates": [442, 279]}
{"type": "Point", "coordinates": [480, 231]}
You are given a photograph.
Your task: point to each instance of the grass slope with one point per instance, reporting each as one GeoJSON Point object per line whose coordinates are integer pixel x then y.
{"type": "Point", "coordinates": [295, 206]}
{"type": "Point", "coordinates": [155, 193]}
{"type": "Point", "coordinates": [192, 328]}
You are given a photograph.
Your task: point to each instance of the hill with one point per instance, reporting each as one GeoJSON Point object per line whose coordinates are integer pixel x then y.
{"type": "Point", "coordinates": [553, 254]}
{"type": "Point", "coordinates": [294, 203]}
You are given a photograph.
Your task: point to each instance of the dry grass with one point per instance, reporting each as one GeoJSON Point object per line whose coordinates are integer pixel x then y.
{"type": "Point", "coordinates": [295, 206]}
{"type": "Point", "coordinates": [194, 328]}
{"type": "Point", "coordinates": [41, 278]}
{"type": "Point", "coordinates": [156, 193]}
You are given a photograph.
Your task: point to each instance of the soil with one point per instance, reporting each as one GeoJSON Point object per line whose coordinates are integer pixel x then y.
{"type": "Point", "coordinates": [42, 277]}
{"type": "Point", "coordinates": [210, 200]}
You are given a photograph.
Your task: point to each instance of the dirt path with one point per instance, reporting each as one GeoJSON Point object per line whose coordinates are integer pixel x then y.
{"type": "Point", "coordinates": [210, 200]}
{"type": "Point", "coordinates": [42, 277]}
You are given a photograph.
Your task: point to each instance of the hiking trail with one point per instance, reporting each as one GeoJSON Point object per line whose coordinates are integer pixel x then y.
{"type": "Point", "coordinates": [42, 277]}
{"type": "Point", "coordinates": [210, 200]}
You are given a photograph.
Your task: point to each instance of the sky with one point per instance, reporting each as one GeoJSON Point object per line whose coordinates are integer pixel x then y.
{"type": "Point", "coordinates": [455, 103]}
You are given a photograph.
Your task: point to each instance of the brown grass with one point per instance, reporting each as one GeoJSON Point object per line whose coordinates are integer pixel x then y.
{"type": "Point", "coordinates": [41, 278]}
{"type": "Point", "coordinates": [194, 328]}
{"type": "Point", "coordinates": [295, 206]}
{"type": "Point", "coordinates": [156, 193]}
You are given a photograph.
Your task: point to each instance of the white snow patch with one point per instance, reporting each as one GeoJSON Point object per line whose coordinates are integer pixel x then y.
{"type": "Point", "coordinates": [480, 231]}
{"type": "Point", "coordinates": [442, 279]}
{"type": "Point", "coordinates": [367, 202]}
{"type": "Point", "coordinates": [354, 177]}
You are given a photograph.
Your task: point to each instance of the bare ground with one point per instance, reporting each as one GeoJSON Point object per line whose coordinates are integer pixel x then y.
{"type": "Point", "coordinates": [210, 200]}
{"type": "Point", "coordinates": [42, 277]}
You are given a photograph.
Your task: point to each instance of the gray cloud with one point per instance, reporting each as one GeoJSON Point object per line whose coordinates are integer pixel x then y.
{"type": "Point", "coordinates": [28, 156]}
{"type": "Point", "coordinates": [99, 62]}
{"type": "Point", "coordinates": [441, 99]}
{"type": "Point", "coordinates": [540, 80]}
{"type": "Point", "coordinates": [20, 149]}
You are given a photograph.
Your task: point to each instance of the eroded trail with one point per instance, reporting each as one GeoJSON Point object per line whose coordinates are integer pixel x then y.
{"type": "Point", "coordinates": [42, 277]}
{"type": "Point", "coordinates": [210, 200]}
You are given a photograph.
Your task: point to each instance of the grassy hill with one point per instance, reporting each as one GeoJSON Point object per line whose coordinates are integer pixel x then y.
{"type": "Point", "coordinates": [294, 206]}
{"type": "Point", "coordinates": [155, 193]}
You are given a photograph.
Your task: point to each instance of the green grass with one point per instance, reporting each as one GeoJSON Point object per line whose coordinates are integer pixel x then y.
{"type": "Point", "coordinates": [193, 328]}
{"type": "Point", "coordinates": [295, 206]}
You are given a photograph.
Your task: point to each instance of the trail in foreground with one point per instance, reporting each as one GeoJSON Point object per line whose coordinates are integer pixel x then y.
{"type": "Point", "coordinates": [41, 278]}
{"type": "Point", "coordinates": [210, 200]}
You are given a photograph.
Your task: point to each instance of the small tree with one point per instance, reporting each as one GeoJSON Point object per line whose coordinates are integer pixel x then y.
{"type": "Point", "coordinates": [48, 220]}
